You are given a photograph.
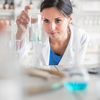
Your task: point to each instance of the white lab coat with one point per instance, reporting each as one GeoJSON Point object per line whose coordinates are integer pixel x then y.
{"type": "Point", "coordinates": [43, 50]}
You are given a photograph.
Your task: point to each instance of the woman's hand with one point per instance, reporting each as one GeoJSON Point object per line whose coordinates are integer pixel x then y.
{"type": "Point", "coordinates": [22, 22]}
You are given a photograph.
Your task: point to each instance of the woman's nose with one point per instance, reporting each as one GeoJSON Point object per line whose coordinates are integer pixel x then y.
{"type": "Point", "coordinates": [52, 26]}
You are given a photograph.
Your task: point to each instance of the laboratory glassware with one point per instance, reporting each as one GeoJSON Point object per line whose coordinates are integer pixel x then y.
{"type": "Point", "coordinates": [11, 87]}
{"type": "Point", "coordinates": [6, 5]}
{"type": "Point", "coordinates": [34, 28]}
{"type": "Point", "coordinates": [12, 38]}
{"type": "Point", "coordinates": [77, 78]}
{"type": "Point", "coordinates": [13, 30]}
{"type": "Point", "coordinates": [77, 75]}
{"type": "Point", "coordinates": [16, 46]}
{"type": "Point", "coordinates": [35, 36]}
{"type": "Point", "coordinates": [11, 5]}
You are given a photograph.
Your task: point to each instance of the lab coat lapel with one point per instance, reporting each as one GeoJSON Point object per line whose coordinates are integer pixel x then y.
{"type": "Point", "coordinates": [68, 56]}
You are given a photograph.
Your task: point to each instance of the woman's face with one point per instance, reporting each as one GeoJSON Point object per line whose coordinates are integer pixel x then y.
{"type": "Point", "coordinates": [55, 24]}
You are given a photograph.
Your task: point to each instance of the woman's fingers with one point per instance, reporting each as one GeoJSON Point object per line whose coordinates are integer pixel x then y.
{"type": "Point", "coordinates": [19, 22]}
{"type": "Point", "coordinates": [23, 17]}
{"type": "Point", "coordinates": [24, 13]}
{"type": "Point", "coordinates": [27, 8]}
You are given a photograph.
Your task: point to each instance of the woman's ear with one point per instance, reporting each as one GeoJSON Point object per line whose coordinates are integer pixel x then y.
{"type": "Point", "coordinates": [70, 19]}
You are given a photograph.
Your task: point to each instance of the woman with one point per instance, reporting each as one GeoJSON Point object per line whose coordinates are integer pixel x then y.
{"type": "Point", "coordinates": [59, 48]}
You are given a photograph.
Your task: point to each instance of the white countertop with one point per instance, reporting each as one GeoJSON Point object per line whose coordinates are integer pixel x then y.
{"type": "Point", "coordinates": [91, 93]}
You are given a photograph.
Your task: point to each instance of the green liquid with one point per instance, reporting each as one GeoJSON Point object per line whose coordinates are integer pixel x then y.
{"type": "Point", "coordinates": [75, 86]}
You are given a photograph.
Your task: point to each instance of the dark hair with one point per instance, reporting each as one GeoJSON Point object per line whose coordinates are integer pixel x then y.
{"type": "Point", "coordinates": [64, 6]}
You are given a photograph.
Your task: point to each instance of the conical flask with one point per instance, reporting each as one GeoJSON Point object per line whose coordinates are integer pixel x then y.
{"type": "Point", "coordinates": [77, 78]}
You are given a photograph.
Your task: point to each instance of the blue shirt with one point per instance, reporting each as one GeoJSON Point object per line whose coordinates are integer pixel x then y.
{"type": "Point", "coordinates": [53, 58]}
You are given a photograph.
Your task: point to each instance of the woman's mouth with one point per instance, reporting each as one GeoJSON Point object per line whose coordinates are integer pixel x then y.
{"type": "Point", "coordinates": [53, 33]}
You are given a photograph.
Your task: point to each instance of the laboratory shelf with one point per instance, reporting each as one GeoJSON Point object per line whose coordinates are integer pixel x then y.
{"type": "Point", "coordinates": [7, 12]}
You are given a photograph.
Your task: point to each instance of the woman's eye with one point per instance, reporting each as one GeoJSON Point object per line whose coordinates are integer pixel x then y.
{"type": "Point", "coordinates": [58, 21]}
{"type": "Point", "coordinates": [46, 21]}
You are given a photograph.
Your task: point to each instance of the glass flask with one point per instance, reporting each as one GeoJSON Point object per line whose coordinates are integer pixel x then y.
{"type": "Point", "coordinates": [77, 78]}
{"type": "Point", "coordinates": [34, 28]}
{"type": "Point", "coordinates": [13, 30]}
{"type": "Point", "coordinates": [14, 45]}
{"type": "Point", "coordinates": [35, 36]}
{"type": "Point", "coordinates": [77, 75]}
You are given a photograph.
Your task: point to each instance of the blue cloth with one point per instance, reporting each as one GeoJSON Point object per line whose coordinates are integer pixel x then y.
{"type": "Point", "coordinates": [54, 59]}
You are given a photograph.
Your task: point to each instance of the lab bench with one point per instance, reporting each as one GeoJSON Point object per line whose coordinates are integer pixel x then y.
{"type": "Point", "coordinates": [91, 93]}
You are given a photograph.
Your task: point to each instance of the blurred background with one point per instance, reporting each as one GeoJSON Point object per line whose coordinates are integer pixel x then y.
{"type": "Point", "coordinates": [88, 18]}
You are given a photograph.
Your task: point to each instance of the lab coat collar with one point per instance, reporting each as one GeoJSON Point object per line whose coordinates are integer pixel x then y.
{"type": "Point", "coordinates": [69, 52]}
{"type": "Point", "coordinates": [71, 37]}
